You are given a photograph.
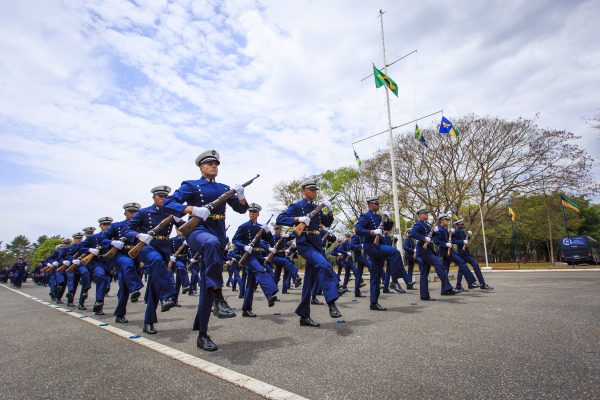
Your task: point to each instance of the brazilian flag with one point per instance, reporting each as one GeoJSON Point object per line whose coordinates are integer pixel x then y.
{"type": "Point", "coordinates": [382, 79]}
{"type": "Point", "coordinates": [569, 204]}
{"type": "Point", "coordinates": [419, 136]}
{"type": "Point", "coordinates": [358, 162]}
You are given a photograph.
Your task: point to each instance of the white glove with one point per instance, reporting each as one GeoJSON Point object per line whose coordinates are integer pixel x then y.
{"type": "Point", "coordinates": [93, 251]}
{"type": "Point", "coordinates": [427, 239]}
{"type": "Point", "coordinates": [185, 242]}
{"type": "Point", "coordinates": [239, 190]}
{"type": "Point", "coordinates": [327, 204]}
{"type": "Point", "coordinates": [377, 231]}
{"type": "Point", "coordinates": [469, 233]}
{"type": "Point", "coordinates": [448, 244]}
{"type": "Point", "coordinates": [266, 228]}
{"type": "Point", "coordinates": [465, 242]}
{"type": "Point", "coordinates": [67, 263]}
{"type": "Point", "coordinates": [173, 259]}
{"type": "Point", "coordinates": [287, 252]}
{"type": "Point", "coordinates": [76, 262]}
{"type": "Point", "coordinates": [144, 237]}
{"type": "Point", "coordinates": [387, 214]}
{"type": "Point", "coordinates": [349, 253]}
{"type": "Point", "coordinates": [55, 263]}
{"type": "Point", "coordinates": [48, 265]}
{"type": "Point", "coordinates": [201, 212]}
{"type": "Point", "coordinates": [436, 229]}
{"type": "Point", "coordinates": [248, 249]}
{"type": "Point", "coordinates": [272, 250]}
{"type": "Point", "coordinates": [118, 244]}
{"type": "Point", "coordinates": [285, 235]}
{"type": "Point", "coordinates": [452, 230]}
{"type": "Point", "coordinates": [176, 219]}
{"type": "Point", "coordinates": [305, 220]}
{"type": "Point", "coordinates": [192, 260]}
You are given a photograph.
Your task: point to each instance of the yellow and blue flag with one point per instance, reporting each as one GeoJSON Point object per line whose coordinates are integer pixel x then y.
{"type": "Point", "coordinates": [419, 136]}
{"type": "Point", "coordinates": [358, 162]}
{"type": "Point", "coordinates": [446, 127]}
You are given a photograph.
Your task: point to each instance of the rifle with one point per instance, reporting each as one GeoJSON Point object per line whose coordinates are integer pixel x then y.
{"type": "Point", "coordinates": [298, 229]}
{"type": "Point", "coordinates": [86, 260]}
{"type": "Point", "coordinates": [193, 222]}
{"type": "Point", "coordinates": [464, 245]}
{"type": "Point", "coordinates": [450, 248]}
{"type": "Point", "coordinates": [271, 255]}
{"type": "Point", "coordinates": [111, 253]}
{"type": "Point", "coordinates": [189, 264]}
{"type": "Point", "coordinates": [253, 243]}
{"type": "Point", "coordinates": [229, 263]}
{"type": "Point", "coordinates": [73, 265]}
{"type": "Point", "coordinates": [378, 237]}
{"type": "Point", "coordinates": [180, 250]}
{"type": "Point", "coordinates": [133, 253]}
{"type": "Point", "coordinates": [431, 236]}
{"type": "Point", "coordinates": [290, 251]}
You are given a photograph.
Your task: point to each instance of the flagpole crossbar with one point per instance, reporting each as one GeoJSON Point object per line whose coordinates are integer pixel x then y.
{"type": "Point", "coordinates": [398, 126]}
{"type": "Point", "coordinates": [389, 65]}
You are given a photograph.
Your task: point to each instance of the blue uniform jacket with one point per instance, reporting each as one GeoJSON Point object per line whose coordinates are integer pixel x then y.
{"type": "Point", "coordinates": [176, 243]}
{"type": "Point", "coordinates": [312, 234]}
{"type": "Point", "coordinates": [368, 222]}
{"type": "Point", "coordinates": [143, 221]}
{"type": "Point", "coordinates": [115, 232]}
{"type": "Point", "coordinates": [200, 193]}
{"type": "Point", "coordinates": [459, 238]}
{"type": "Point", "coordinates": [357, 244]}
{"type": "Point", "coordinates": [409, 246]}
{"type": "Point", "coordinates": [93, 241]}
{"type": "Point", "coordinates": [419, 231]}
{"type": "Point", "coordinates": [337, 251]}
{"type": "Point", "coordinates": [441, 238]}
{"type": "Point", "coordinates": [246, 233]}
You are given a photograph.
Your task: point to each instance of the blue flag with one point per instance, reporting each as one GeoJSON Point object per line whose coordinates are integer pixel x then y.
{"type": "Point", "coordinates": [446, 127]}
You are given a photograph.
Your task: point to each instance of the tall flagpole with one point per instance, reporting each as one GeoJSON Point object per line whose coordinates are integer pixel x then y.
{"type": "Point", "coordinates": [391, 140]}
{"type": "Point", "coordinates": [487, 265]}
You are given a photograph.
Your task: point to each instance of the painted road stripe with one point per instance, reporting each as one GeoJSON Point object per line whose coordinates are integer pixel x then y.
{"type": "Point", "coordinates": [254, 385]}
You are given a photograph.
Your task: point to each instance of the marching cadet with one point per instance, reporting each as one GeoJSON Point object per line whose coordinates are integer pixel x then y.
{"type": "Point", "coordinates": [242, 240]}
{"type": "Point", "coordinates": [410, 254]}
{"type": "Point", "coordinates": [387, 239]}
{"type": "Point", "coordinates": [280, 244]}
{"type": "Point", "coordinates": [98, 265]}
{"type": "Point", "coordinates": [233, 267]}
{"type": "Point", "coordinates": [310, 246]}
{"type": "Point", "coordinates": [130, 282]}
{"type": "Point", "coordinates": [460, 238]}
{"type": "Point", "coordinates": [73, 277]}
{"type": "Point", "coordinates": [155, 254]}
{"type": "Point", "coordinates": [179, 262]}
{"type": "Point", "coordinates": [338, 257]}
{"type": "Point", "coordinates": [421, 231]}
{"type": "Point", "coordinates": [4, 274]}
{"type": "Point", "coordinates": [81, 272]}
{"type": "Point", "coordinates": [369, 226]}
{"type": "Point", "coordinates": [208, 237]}
{"type": "Point", "coordinates": [360, 261]}
{"type": "Point", "coordinates": [18, 270]}
{"type": "Point", "coordinates": [446, 252]}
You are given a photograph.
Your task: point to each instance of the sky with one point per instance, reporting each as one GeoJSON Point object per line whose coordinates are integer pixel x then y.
{"type": "Point", "coordinates": [103, 100]}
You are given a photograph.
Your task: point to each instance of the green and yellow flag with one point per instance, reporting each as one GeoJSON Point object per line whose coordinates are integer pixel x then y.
{"type": "Point", "coordinates": [382, 79]}
{"type": "Point", "coordinates": [569, 204]}
{"type": "Point", "coordinates": [511, 212]}
{"type": "Point", "coordinates": [358, 162]}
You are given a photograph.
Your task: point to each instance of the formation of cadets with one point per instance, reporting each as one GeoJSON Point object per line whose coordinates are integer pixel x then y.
{"type": "Point", "coordinates": [264, 257]}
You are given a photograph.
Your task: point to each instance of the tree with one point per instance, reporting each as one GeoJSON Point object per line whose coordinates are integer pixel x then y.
{"type": "Point", "coordinates": [20, 246]}
{"type": "Point", "coordinates": [45, 249]}
{"type": "Point", "coordinates": [286, 193]}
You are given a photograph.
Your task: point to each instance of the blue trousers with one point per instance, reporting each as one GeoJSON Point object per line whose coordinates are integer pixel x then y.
{"type": "Point", "coordinates": [349, 266]}
{"type": "Point", "coordinates": [211, 274]}
{"type": "Point", "coordinates": [379, 255]}
{"type": "Point", "coordinates": [256, 273]}
{"type": "Point", "coordinates": [61, 280]}
{"type": "Point", "coordinates": [429, 259]}
{"type": "Point", "coordinates": [99, 274]}
{"type": "Point", "coordinates": [72, 282]}
{"type": "Point", "coordinates": [468, 259]}
{"type": "Point", "coordinates": [284, 264]}
{"type": "Point", "coordinates": [236, 279]}
{"type": "Point", "coordinates": [129, 281]}
{"type": "Point", "coordinates": [410, 262]}
{"type": "Point", "coordinates": [361, 262]}
{"type": "Point", "coordinates": [316, 266]}
{"type": "Point", "coordinates": [160, 285]}
{"type": "Point", "coordinates": [462, 266]}
{"type": "Point", "coordinates": [182, 279]}
{"type": "Point", "coordinates": [195, 270]}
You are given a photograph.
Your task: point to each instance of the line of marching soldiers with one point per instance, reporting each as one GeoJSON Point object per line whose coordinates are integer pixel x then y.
{"type": "Point", "coordinates": [144, 238]}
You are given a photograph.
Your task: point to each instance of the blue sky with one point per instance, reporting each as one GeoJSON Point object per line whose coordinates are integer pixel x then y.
{"type": "Point", "coordinates": [101, 101]}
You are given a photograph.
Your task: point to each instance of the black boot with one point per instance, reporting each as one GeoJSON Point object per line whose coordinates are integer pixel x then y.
{"type": "Point", "coordinates": [205, 343]}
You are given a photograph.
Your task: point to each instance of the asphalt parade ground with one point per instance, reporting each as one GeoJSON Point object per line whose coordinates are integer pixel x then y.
{"type": "Point", "coordinates": [537, 335]}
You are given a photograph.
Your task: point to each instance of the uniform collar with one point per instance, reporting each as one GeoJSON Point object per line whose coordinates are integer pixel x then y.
{"type": "Point", "coordinates": [208, 180]}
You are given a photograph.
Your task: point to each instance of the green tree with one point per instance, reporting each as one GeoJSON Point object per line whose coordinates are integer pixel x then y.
{"type": "Point", "coordinates": [45, 249]}
{"type": "Point", "coordinates": [20, 246]}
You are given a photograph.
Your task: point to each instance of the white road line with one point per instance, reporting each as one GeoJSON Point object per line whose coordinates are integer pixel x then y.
{"type": "Point", "coordinates": [254, 385]}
